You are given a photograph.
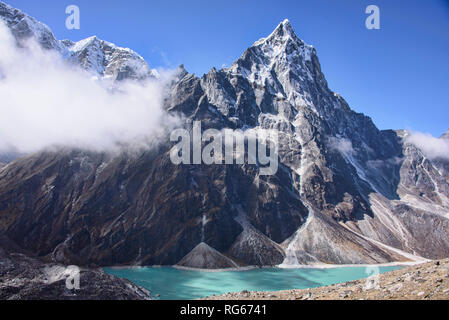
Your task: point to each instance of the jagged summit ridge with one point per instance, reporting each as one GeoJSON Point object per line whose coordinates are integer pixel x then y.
{"type": "Point", "coordinates": [281, 34]}
{"type": "Point", "coordinates": [108, 60]}
{"type": "Point", "coordinates": [284, 75]}
{"type": "Point", "coordinates": [24, 26]}
{"type": "Point", "coordinates": [98, 57]}
{"type": "Point", "coordinates": [283, 40]}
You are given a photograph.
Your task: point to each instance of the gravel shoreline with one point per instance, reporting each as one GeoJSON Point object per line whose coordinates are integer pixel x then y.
{"type": "Point", "coordinates": [426, 281]}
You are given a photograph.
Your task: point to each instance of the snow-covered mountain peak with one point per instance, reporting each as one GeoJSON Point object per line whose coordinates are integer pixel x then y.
{"type": "Point", "coordinates": [24, 27]}
{"type": "Point", "coordinates": [9, 13]}
{"type": "Point", "coordinates": [284, 38]}
{"type": "Point", "coordinates": [105, 59]}
{"type": "Point", "coordinates": [100, 58]}
{"type": "Point", "coordinates": [281, 51]}
{"type": "Point", "coordinates": [283, 31]}
{"type": "Point", "coordinates": [82, 44]}
{"type": "Point", "coordinates": [280, 68]}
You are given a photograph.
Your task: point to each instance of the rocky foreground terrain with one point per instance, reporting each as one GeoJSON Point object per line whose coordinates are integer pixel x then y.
{"type": "Point", "coordinates": [24, 278]}
{"type": "Point", "coordinates": [419, 282]}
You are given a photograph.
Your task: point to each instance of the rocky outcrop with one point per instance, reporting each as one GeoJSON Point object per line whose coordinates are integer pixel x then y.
{"type": "Point", "coordinates": [345, 192]}
{"type": "Point", "coordinates": [24, 278]}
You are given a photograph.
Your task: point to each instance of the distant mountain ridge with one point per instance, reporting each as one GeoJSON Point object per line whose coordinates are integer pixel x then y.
{"type": "Point", "coordinates": [96, 56]}
{"type": "Point", "coordinates": [345, 192]}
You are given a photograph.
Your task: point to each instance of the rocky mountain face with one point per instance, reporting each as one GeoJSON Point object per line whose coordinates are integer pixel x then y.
{"type": "Point", "coordinates": [345, 192]}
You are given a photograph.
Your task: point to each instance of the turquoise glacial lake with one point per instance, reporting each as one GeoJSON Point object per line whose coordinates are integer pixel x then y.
{"type": "Point", "coordinates": [177, 284]}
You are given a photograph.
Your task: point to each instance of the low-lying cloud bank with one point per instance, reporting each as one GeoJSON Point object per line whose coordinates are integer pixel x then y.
{"type": "Point", "coordinates": [46, 102]}
{"type": "Point", "coordinates": [432, 147]}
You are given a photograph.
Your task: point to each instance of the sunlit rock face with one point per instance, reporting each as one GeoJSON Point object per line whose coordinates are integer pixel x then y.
{"type": "Point", "coordinates": [345, 192]}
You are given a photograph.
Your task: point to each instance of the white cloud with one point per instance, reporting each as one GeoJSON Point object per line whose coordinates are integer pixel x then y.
{"type": "Point", "coordinates": [431, 147]}
{"type": "Point", "coordinates": [46, 102]}
{"type": "Point", "coordinates": [342, 145]}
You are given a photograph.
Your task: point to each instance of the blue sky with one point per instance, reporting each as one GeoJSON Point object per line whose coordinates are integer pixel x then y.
{"type": "Point", "coordinates": [397, 75]}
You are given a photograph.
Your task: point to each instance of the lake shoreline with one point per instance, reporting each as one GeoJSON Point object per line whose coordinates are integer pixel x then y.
{"type": "Point", "coordinates": [169, 282]}
{"type": "Point", "coordinates": [308, 266]}
{"type": "Point", "coordinates": [420, 281]}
